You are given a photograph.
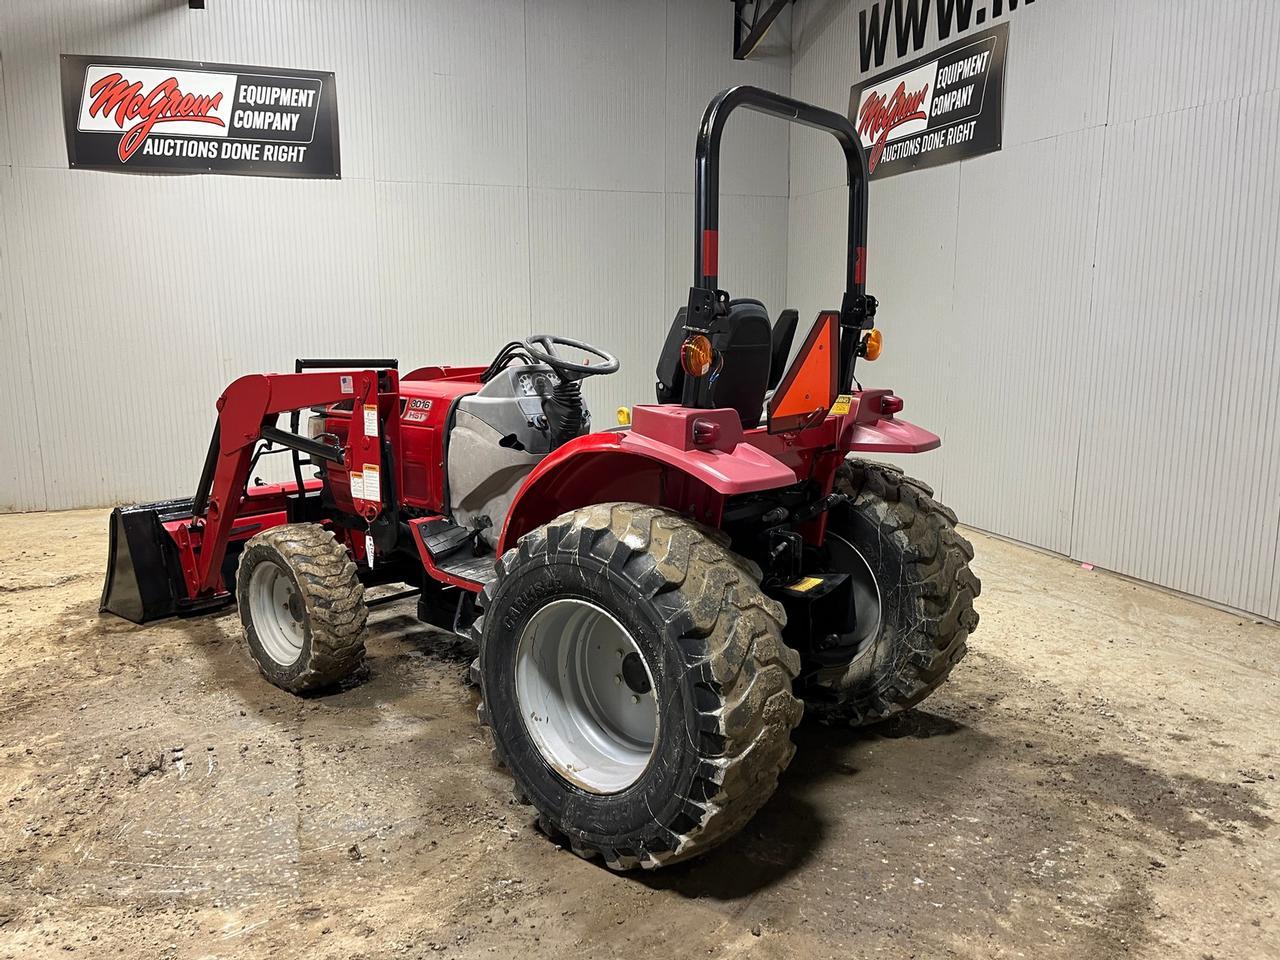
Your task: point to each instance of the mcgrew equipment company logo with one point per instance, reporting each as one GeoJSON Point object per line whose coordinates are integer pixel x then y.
{"type": "Point", "coordinates": [880, 116]}
{"type": "Point", "coordinates": [122, 102]}
{"type": "Point", "coordinates": [142, 115]}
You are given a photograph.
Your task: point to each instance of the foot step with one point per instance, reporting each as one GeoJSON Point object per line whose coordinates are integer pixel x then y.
{"type": "Point", "coordinates": [479, 569]}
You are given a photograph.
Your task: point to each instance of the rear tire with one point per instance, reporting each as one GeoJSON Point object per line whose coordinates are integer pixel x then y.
{"type": "Point", "coordinates": [625, 580]}
{"type": "Point", "coordinates": [920, 563]}
{"type": "Point", "coordinates": [302, 607]}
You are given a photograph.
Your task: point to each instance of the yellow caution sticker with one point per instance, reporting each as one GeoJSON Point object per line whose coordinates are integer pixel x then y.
{"type": "Point", "coordinates": [842, 404]}
{"type": "Point", "coordinates": [805, 584]}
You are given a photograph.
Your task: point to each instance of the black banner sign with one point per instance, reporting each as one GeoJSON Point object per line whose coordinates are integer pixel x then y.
{"type": "Point", "coordinates": [129, 114]}
{"type": "Point", "coordinates": [944, 107]}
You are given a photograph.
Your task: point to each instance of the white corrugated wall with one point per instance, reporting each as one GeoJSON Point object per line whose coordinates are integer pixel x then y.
{"type": "Point", "coordinates": [508, 167]}
{"type": "Point", "coordinates": [1089, 317]}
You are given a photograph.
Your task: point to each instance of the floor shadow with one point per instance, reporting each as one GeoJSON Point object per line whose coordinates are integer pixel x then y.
{"type": "Point", "coordinates": [916, 725]}
{"type": "Point", "coordinates": [403, 628]}
{"type": "Point", "coordinates": [790, 828]}
{"type": "Point", "coordinates": [1185, 806]}
{"type": "Point", "coordinates": [396, 644]}
{"type": "Point", "coordinates": [825, 752]}
{"type": "Point", "coordinates": [782, 837]}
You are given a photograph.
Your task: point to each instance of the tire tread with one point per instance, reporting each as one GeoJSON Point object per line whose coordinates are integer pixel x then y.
{"type": "Point", "coordinates": [938, 576]}
{"type": "Point", "coordinates": [334, 599]}
{"type": "Point", "coordinates": [730, 635]}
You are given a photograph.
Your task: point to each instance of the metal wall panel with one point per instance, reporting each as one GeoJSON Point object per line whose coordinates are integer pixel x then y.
{"type": "Point", "coordinates": [118, 307]}
{"type": "Point", "coordinates": [823, 65]}
{"type": "Point", "coordinates": [597, 78]}
{"type": "Point", "coordinates": [21, 462]}
{"type": "Point", "coordinates": [4, 115]}
{"type": "Point", "coordinates": [1059, 61]}
{"type": "Point", "coordinates": [1016, 348]}
{"type": "Point", "coordinates": [1175, 54]}
{"type": "Point", "coordinates": [749, 262]}
{"type": "Point", "coordinates": [313, 35]}
{"type": "Point", "coordinates": [817, 236]}
{"type": "Point", "coordinates": [597, 275]}
{"type": "Point", "coordinates": [291, 256]}
{"type": "Point", "coordinates": [448, 91]}
{"type": "Point", "coordinates": [1089, 316]}
{"type": "Point", "coordinates": [35, 33]}
{"type": "Point", "coordinates": [460, 289]}
{"type": "Point", "coordinates": [754, 149]}
{"type": "Point", "coordinates": [1180, 467]}
{"type": "Point", "coordinates": [487, 191]}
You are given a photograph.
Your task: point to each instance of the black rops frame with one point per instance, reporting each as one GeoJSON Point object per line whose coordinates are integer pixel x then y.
{"type": "Point", "coordinates": [857, 310]}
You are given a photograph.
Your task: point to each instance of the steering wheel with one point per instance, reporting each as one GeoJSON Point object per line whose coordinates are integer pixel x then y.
{"type": "Point", "coordinates": [542, 348]}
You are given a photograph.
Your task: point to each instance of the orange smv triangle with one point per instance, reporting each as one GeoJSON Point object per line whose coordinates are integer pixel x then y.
{"type": "Point", "coordinates": [810, 386]}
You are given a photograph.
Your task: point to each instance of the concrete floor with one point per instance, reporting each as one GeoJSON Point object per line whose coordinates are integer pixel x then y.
{"type": "Point", "coordinates": [1098, 779]}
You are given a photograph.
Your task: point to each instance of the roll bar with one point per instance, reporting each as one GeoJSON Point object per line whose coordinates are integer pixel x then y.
{"type": "Point", "coordinates": [856, 306]}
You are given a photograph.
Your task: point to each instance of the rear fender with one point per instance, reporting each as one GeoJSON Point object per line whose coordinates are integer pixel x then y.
{"type": "Point", "coordinates": [889, 435]}
{"type": "Point", "coordinates": [626, 466]}
{"type": "Point", "coordinates": [871, 427]}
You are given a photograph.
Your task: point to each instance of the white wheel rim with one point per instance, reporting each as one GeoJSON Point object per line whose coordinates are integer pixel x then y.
{"type": "Point", "coordinates": [277, 613]}
{"type": "Point", "coordinates": [585, 694]}
{"type": "Point", "coordinates": [866, 592]}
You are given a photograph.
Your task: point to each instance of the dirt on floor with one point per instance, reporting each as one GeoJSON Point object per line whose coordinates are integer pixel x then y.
{"type": "Point", "coordinates": [1098, 779]}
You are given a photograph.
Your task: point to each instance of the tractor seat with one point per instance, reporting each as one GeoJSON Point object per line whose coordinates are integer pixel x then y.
{"type": "Point", "coordinates": [753, 353]}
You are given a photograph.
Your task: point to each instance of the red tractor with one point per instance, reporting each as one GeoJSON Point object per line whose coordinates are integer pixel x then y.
{"type": "Point", "coordinates": [655, 604]}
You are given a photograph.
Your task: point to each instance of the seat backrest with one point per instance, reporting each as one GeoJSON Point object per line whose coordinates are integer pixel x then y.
{"type": "Point", "coordinates": [743, 341]}
{"type": "Point", "coordinates": [784, 331]}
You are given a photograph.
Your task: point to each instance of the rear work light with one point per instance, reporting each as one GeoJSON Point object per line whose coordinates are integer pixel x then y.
{"type": "Point", "coordinates": [872, 344]}
{"type": "Point", "coordinates": [696, 355]}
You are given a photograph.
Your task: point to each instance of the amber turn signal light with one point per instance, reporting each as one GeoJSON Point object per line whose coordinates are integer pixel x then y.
{"type": "Point", "coordinates": [872, 344]}
{"type": "Point", "coordinates": [696, 355]}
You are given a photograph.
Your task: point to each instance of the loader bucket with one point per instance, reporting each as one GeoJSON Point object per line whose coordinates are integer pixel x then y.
{"type": "Point", "coordinates": [144, 580]}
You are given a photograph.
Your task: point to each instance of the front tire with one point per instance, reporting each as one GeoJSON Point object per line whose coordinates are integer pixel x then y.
{"type": "Point", "coordinates": [911, 567]}
{"type": "Point", "coordinates": [302, 607]}
{"type": "Point", "coordinates": [635, 683]}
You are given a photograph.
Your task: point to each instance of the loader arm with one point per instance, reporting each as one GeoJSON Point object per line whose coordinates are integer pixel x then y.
{"type": "Point", "coordinates": [247, 413]}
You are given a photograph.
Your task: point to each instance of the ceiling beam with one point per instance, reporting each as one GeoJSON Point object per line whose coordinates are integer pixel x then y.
{"type": "Point", "coordinates": [747, 33]}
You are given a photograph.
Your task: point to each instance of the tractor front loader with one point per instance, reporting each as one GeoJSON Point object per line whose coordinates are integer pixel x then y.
{"type": "Point", "coordinates": [655, 605]}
